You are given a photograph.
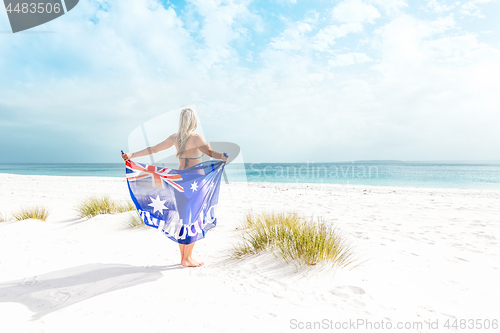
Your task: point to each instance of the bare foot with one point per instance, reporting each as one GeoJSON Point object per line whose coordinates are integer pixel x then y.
{"type": "Point", "coordinates": [191, 263]}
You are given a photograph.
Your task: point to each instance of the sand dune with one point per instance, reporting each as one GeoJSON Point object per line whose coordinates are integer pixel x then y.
{"type": "Point", "coordinates": [423, 255]}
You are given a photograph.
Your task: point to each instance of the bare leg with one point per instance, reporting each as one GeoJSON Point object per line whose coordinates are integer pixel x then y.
{"type": "Point", "coordinates": [186, 259]}
{"type": "Point", "coordinates": [182, 247]}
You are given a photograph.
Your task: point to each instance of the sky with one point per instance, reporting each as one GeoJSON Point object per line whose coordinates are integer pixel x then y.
{"type": "Point", "coordinates": [286, 80]}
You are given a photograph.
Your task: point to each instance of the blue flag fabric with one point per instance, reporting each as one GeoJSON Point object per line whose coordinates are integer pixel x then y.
{"type": "Point", "coordinates": [180, 203]}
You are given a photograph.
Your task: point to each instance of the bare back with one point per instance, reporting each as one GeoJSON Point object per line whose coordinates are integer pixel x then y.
{"type": "Point", "coordinates": [195, 147]}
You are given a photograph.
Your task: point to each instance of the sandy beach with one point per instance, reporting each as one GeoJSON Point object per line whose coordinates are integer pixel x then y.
{"type": "Point", "coordinates": [426, 256]}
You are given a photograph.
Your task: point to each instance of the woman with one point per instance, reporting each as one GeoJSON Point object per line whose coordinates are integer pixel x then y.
{"type": "Point", "coordinates": [187, 144]}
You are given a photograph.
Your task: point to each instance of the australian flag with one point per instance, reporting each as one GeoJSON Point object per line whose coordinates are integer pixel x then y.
{"type": "Point", "coordinates": [180, 203]}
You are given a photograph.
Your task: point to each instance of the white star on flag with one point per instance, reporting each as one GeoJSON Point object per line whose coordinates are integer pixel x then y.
{"type": "Point", "coordinates": [157, 204]}
{"type": "Point", "coordinates": [194, 186]}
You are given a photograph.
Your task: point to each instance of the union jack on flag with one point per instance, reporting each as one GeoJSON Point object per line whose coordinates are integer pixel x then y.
{"type": "Point", "coordinates": [159, 176]}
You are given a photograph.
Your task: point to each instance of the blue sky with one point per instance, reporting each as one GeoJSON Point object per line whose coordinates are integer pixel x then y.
{"type": "Point", "coordinates": [288, 81]}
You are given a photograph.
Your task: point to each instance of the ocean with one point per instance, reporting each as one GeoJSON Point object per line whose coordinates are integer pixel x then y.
{"type": "Point", "coordinates": [390, 173]}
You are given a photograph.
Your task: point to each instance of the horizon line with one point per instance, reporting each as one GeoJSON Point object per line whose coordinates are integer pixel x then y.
{"type": "Point", "coordinates": [306, 162]}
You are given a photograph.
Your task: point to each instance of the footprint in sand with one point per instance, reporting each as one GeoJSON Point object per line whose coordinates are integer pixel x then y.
{"type": "Point", "coordinates": [447, 315]}
{"type": "Point", "coordinates": [357, 303]}
{"type": "Point", "coordinates": [29, 281]}
{"type": "Point", "coordinates": [350, 294]}
{"type": "Point", "coordinates": [60, 296]}
{"type": "Point", "coordinates": [66, 242]}
{"type": "Point", "coordinates": [339, 294]}
{"type": "Point", "coordinates": [268, 315]}
{"type": "Point", "coordinates": [342, 290]}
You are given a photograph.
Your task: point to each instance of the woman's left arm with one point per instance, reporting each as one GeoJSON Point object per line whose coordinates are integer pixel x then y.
{"type": "Point", "coordinates": [207, 150]}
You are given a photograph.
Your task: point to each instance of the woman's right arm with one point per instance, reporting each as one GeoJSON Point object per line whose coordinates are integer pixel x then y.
{"type": "Point", "coordinates": [169, 142]}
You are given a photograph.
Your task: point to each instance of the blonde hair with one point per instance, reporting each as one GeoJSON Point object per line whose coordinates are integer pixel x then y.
{"type": "Point", "coordinates": [188, 122]}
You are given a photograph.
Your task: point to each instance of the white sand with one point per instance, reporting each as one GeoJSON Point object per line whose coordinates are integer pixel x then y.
{"type": "Point", "coordinates": [425, 254]}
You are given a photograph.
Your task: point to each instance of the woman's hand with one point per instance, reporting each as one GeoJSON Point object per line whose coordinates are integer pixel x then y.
{"type": "Point", "coordinates": [224, 158]}
{"type": "Point", "coordinates": [126, 156]}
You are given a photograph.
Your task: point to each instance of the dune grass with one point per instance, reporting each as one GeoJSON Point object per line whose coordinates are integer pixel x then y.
{"type": "Point", "coordinates": [135, 221]}
{"type": "Point", "coordinates": [36, 212]}
{"type": "Point", "coordinates": [295, 239]}
{"type": "Point", "coordinates": [4, 218]}
{"type": "Point", "coordinates": [94, 206]}
{"type": "Point", "coordinates": [125, 207]}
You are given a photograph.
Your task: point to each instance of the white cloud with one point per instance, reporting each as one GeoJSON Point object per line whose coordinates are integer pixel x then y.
{"type": "Point", "coordinates": [439, 84]}
{"type": "Point", "coordinates": [326, 37]}
{"type": "Point", "coordinates": [472, 8]}
{"type": "Point", "coordinates": [355, 11]}
{"type": "Point", "coordinates": [391, 7]}
{"type": "Point", "coordinates": [293, 38]}
{"type": "Point", "coordinates": [352, 14]}
{"type": "Point", "coordinates": [410, 41]}
{"type": "Point", "coordinates": [451, 48]}
{"type": "Point", "coordinates": [400, 40]}
{"type": "Point", "coordinates": [439, 6]}
{"type": "Point", "coordinates": [441, 24]}
{"type": "Point", "coordinates": [220, 27]}
{"type": "Point", "coordinates": [347, 59]}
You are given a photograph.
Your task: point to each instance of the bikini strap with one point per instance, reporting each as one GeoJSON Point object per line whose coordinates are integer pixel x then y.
{"type": "Point", "coordinates": [186, 159]}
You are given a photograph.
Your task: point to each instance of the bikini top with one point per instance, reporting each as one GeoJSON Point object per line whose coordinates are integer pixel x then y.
{"type": "Point", "coordinates": [186, 159]}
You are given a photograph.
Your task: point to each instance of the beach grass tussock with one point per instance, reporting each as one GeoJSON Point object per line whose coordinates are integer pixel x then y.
{"type": "Point", "coordinates": [295, 239]}
{"type": "Point", "coordinates": [94, 206]}
{"type": "Point", "coordinates": [4, 217]}
{"type": "Point", "coordinates": [36, 213]}
{"type": "Point", "coordinates": [125, 207]}
{"type": "Point", "coordinates": [135, 221]}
